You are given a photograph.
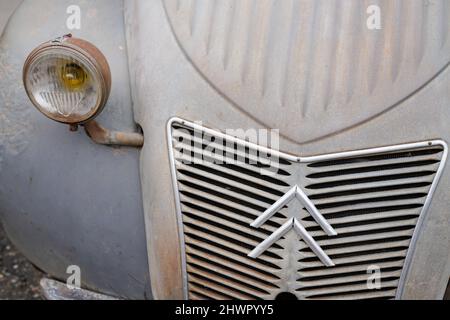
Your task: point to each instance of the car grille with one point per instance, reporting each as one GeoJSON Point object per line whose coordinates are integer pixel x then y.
{"type": "Point", "coordinates": [373, 199]}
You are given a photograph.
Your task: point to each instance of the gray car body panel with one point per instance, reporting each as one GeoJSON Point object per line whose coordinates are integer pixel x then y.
{"type": "Point", "coordinates": [170, 80]}
{"type": "Point", "coordinates": [67, 201]}
{"type": "Point", "coordinates": [63, 199]}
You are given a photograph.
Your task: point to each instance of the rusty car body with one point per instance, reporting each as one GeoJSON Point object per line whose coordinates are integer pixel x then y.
{"type": "Point", "coordinates": [362, 179]}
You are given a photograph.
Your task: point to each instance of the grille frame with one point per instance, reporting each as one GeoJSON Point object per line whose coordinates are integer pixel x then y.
{"type": "Point", "coordinates": [305, 160]}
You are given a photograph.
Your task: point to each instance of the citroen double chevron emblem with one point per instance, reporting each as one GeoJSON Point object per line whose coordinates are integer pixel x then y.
{"type": "Point", "coordinates": [293, 223]}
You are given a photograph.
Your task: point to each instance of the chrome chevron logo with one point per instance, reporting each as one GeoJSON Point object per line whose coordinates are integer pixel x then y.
{"type": "Point", "coordinates": [293, 223]}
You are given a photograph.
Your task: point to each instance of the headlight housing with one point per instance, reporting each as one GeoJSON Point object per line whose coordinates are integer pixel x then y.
{"type": "Point", "coordinates": [68, 80]}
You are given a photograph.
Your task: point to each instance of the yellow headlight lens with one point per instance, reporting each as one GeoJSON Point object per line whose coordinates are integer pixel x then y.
{"type": "Point", "coordinates": [68, 80]}
{"type": "Point", "coordinates": [73, 76]}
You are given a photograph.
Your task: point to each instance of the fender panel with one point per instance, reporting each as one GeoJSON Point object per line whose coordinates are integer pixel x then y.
{"type": "Point", "coordinates": [168, 84]}
{"type": "Point", "coordinates": [64, 200]}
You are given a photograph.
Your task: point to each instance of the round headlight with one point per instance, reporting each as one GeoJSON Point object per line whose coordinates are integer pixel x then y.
{"type": "Point", "coordinates": [67, 79]}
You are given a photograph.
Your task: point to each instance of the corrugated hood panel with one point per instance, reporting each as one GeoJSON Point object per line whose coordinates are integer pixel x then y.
{"type": "Point", "coordinates": [292, 63]}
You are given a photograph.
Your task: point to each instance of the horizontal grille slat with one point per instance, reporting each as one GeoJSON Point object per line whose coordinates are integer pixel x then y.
{"type": "Point", "coordinates": [381, 236]}
{"type": "Point", "coordinates": [224, 182]}
{"type": "Point", "coordinates": [229, 208]}
{"type": "Point", "coordinates": [357, 211]}
{"type": "Point", "coordinates": [244, 196]}
{"type": "Point", "coordinates": [227, 224]}
{"type": "Point", "coordinates": [232, 279]}
{"type": "Point", "coordinates": [385, 189]}
{"type": "Point", "coordinates": [259, 265]}
{"type": "Point", "coordinates": [341, 279]}
{"type": "Point", "coordinates": [384, 294]}
{"type": "Point", "coordinates": [314, 265]}
{"type": "Point", "coordinates": [324, 189]}
{"type": "Point", "coordinates": [390, 157]}
{"type": "Point", "coordinates": [191, 193]}
{"type": "Point", "coordinates": [200, 292]}
{"type": "Point", "coordinates": [225, 230]}
{"type": "Point", "coordinates": [387, 293]}
{"type": "Point", "coordinates": [338, 271]}
{"type": "Point", "coordinates": [361, 249]}
{"type": "Point", "coordinates": [184, 139]}
{"type": "Point", "coordinates": [222, 172]}
{"type": "Point", "coordinates": [366, 179]}
{"type": "Point", "coordinates": [219, 262]}
{"type": "Point", "coordinates": [386, 282]}
{"type": "Point", "coordinates": [212, 284]}
{"type": "Point", "coordinates": [386, 215]}
{"type": "Point", "coordinates": [358, 202]}
{"type": "Point", "coordinates": [365, 229]}
{"type": "Point", "coordinates": [211, 209]}
{"type": "Point", "coordinates": [203, 234]}
{"type": "Point", "coordinates": [363, 171]}
{"type": "Point", "coordinates": [193, 295]}
{"type": "Point", "coordinates": [234, 167]}
{"type": "Point", "coordinates": [370, 210]}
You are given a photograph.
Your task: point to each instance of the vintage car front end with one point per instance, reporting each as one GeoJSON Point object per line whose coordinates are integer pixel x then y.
{"type": "Point", "coordinates": [290, 149]}
{"type": "Point", "coordinates": [64, 199]}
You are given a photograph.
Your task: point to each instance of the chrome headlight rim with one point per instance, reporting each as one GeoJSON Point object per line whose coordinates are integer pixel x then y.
{"type": "Point", "coordinates": [87, 54]}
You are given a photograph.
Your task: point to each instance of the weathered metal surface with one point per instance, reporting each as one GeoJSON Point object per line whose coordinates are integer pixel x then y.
{"type": "Point", "coordinates": [356, 210]}
{"type": "Point", "coordinates": [168, 80]}
{"type": "Point", "coordinates": [402, 96]}
{"type": "Point", "coordinates": [55, 290]}
{"type": "Point", "coordinates": [101, 135]}
{"type": "Point", "coordinates": [65, 200]}
{"type": "Point", "coordinates": [6, 10]}
{"type": "Point", "coordinates": [314, 59]}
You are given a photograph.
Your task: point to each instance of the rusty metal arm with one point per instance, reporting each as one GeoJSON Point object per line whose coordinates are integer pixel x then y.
{"type": "Point", "coordinates": [101, 135]}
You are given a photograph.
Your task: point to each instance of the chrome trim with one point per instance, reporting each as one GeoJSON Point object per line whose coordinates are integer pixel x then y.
{"type": "Point", "coordinates": [177, 205]}
{"type": "Point", "coordinates": [274, 237]}
{"type": "Point", "coordinates": [294, 192]}
{"type": "Point", "coordinates": [290, 157]}
{"type": "Point", "coordinates": [292, 223]}
{"type": "Point", "coordinates": [312, 244]}
{"type": "Point", "coordinates": [311, 208]}
{"type": "Point", "coordinates": [286, 198]}
{"type": "Point", "coordinates": [286, 156]}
